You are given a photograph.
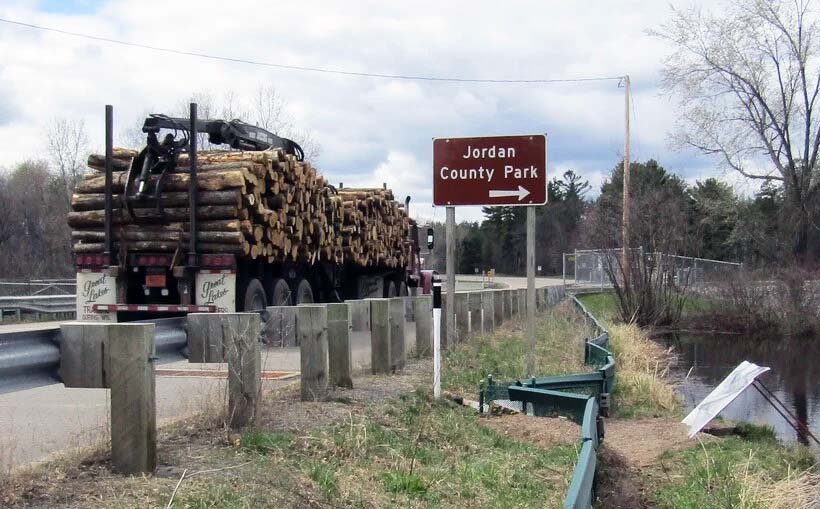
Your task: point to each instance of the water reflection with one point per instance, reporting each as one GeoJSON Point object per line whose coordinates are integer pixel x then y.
{"type": "Point", "coordinates": [704, 360]}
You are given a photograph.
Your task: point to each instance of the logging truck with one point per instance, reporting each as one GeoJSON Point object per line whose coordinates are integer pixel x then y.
{"type": "Point", "coordinates": [170, 229]}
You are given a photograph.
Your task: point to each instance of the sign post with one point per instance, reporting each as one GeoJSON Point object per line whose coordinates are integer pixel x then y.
{"type": "Point", "coordinates": [491, 171]}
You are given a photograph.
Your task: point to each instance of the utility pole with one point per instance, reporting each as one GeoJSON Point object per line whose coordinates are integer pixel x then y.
{"type": "Point", "coordinates": [627, 263]}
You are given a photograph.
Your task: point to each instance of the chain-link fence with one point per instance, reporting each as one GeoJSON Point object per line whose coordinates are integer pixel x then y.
{"type": "Point", "coordinates": [592, 267]}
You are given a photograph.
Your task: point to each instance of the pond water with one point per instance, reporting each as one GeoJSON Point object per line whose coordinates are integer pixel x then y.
{"type": "Point", "coordinates": [704, 360]}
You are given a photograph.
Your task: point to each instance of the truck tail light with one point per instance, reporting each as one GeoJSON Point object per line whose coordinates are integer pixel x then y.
{"type": "Point", "coordinates": [216, 261]}
{"type": "Point", "coordinates": [92, 260]}
{"type": "Point", "coordinates": [151, 260]}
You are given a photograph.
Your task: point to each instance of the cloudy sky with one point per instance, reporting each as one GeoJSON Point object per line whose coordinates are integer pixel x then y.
{"type": "Point", "coordinates": [370, 130]}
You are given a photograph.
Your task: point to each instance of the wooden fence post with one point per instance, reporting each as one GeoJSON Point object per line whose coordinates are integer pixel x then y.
{"type": "Point", "coordinates": [243, 352]}
{"type": "Point", "coordinates": [338, 345]}
{"type": "Point", "coordinates": [398, 354]}
{"type": "Point", "coordinates": [423, 312]}
{"type": "Point", "coordinates": [379, 336]}
{"type": "Point", "coordinates": [462, 317]}
{"type": "Point", "coordinates": [133, 397]}
{"type": "Point", "coordinates": [488, 311]}
{"type": "Point", "coordinates": [475, 313]}
{"type": "Point", "coordinates": [311, 331]}
{"type": "Point", "coordinates": [498, 309]}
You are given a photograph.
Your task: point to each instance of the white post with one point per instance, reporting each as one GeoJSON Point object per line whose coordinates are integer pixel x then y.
{"type": "Point", "coordinates": [437, 338]}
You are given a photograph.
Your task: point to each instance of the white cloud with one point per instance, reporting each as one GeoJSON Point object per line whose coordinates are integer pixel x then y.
{"type": "Point", "coordinates": [370, 130]}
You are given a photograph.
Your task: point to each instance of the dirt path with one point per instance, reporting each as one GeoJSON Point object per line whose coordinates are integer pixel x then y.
{"type": "Point", "coordinates": [631, 456]}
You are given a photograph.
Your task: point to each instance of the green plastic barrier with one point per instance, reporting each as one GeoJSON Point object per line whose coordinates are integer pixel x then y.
{"type": "Point", "coordinates": [580, 494]}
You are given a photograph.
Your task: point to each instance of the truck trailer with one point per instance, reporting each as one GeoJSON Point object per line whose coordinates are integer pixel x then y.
{"type": "Point", "coordinates": [170, 229]}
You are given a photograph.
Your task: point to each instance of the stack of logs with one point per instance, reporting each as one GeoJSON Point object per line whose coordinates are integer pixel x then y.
{"type": "Point", "coordinates": [252, 204]}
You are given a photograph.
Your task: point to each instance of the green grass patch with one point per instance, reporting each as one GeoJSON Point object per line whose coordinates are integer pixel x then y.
{"type": "Point", "coordinates": [503, 354]}
{"type": "Point", "coordinates": [414, 451]}
{"type": "Point", "coordinates": [603, 306]}
{"type": "Point", "coordinates": [263, 442]}
{"type": "Point", "coordinates": [735, 472]}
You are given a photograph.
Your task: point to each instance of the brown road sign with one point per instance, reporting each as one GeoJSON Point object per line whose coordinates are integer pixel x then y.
{"type": "Point", "coordinates": [493, 170]}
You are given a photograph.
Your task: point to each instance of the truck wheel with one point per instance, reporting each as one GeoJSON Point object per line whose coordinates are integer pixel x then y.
{"type": "Point", "coordinates": [255, 298]}
{"type": "Point", "coordinates": [402, 289]}
{"type": "Point", "coordinates": [280, 293]}
{"type": "Point", "coordinates": [303, 294]}
{"type": "Point", "coordinates": [389, 289]}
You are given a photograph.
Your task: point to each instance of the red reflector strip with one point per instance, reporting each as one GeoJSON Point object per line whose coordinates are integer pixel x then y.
{"type": "Point", "coordinates": [154, 307]}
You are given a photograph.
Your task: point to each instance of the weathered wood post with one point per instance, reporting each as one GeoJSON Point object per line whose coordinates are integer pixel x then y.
{"type": "Point", "coordinates": [338, 345]}
{"type": "Point", "coordinates": [462, 316]}
{"type": "Point", "coordinates": [398, 354]}
{"type": "Point", "coordinates": [133, 398]}
{"type": "Point", "coordinates": [498, 310]}
{"type": "Point", "coordinates": [488, 311]}
{"type": "Point", "coordinates": [359, 314]}
{"type": "Point", "coordinates": [508, 304]}
{"type": "Point", "coordinates": [243, 352]}
{"type": "Point", "coordinates": [514, 311]}
{"type": "Point", "coordinates": [522, 302]}
{"type": "Point", "coordinates": [379, 336]}
{"type": "Point", "coordinates": [423, 311]}
{"type": "Point", "coordinates": [280, 327]}
{"type": "Point", "coordinates": [311, 332]}
{"type": "Point", "coordinates": [232, 338]}
{"type": "Point", "coordinates": [475, 313]}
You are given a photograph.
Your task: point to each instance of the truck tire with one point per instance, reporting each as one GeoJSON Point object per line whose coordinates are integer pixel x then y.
{"type": "Point", "coordinates": [254, 298]}
{"type": "Point", "coordinates": [402, 289]}
{"type": "Point", "coordinates": [389, 289]}
{"type": "Point", "coordinates": [303, 293]}
{"type": "Point", "coordinates": [280, 293]}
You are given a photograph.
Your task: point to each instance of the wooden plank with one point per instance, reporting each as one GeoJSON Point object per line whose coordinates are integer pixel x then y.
{"type": "Point", "coordinates": [133, 398]}
{"type": "Point", "coordinates": [311, 331]}
{"type": "Point", "coordinates": [338, 343]}
{"type": "Point", "coordinates": [398, 354]}
{"type": "Point", "coordinates": [423, 313]}
{"type": "Point", "coordinates": [379, 336]}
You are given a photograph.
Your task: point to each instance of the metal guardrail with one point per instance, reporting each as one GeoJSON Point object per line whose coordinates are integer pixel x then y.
{"type": "Point", "coordinates": [32, 358]}
{"type": "Point", "coordinates": [549, 396]}
{"type": "Point", "coordinates": [38, 304]}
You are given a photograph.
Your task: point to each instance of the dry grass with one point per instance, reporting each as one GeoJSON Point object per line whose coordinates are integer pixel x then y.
{"type": "Point", "coordinates": [642, 388]}
{"type": "Point", "coordinates": [798, 490]}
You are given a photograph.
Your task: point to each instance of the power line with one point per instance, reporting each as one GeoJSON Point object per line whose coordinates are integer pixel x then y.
{"type": "Point", "coordinates": [300, 67]}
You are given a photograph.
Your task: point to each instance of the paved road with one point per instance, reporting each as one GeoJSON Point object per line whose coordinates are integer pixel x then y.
{"type": "Point", "coordinates": [40, 422]}
{"type": "Point", "coordinates": [471, 282]}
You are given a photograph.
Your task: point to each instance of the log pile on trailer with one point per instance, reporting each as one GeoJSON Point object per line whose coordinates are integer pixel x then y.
{"type": "Point", "coordinates": [252, 204]}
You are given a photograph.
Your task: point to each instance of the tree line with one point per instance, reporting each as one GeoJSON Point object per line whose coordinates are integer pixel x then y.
{"type": "Point", "coordinates": [707, 220]}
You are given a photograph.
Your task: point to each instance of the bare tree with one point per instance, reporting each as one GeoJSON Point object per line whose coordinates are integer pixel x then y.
{"type": "Point", "coordinates": [68, 148]}
{"type": "Point", "coordinates": [748, 85]}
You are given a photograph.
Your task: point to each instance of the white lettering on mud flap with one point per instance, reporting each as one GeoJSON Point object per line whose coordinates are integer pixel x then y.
{"type": "Point", "coordinates": [216, 290]}
{"type": "Point", "coordinates": [95, 288]}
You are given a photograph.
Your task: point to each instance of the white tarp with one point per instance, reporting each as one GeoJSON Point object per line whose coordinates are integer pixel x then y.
{"type": "Point", "coordinates": [729, 389]}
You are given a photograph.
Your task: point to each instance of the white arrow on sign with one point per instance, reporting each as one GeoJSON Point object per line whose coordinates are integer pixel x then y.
{"type": "Point", "coordinates": [521, 193]}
